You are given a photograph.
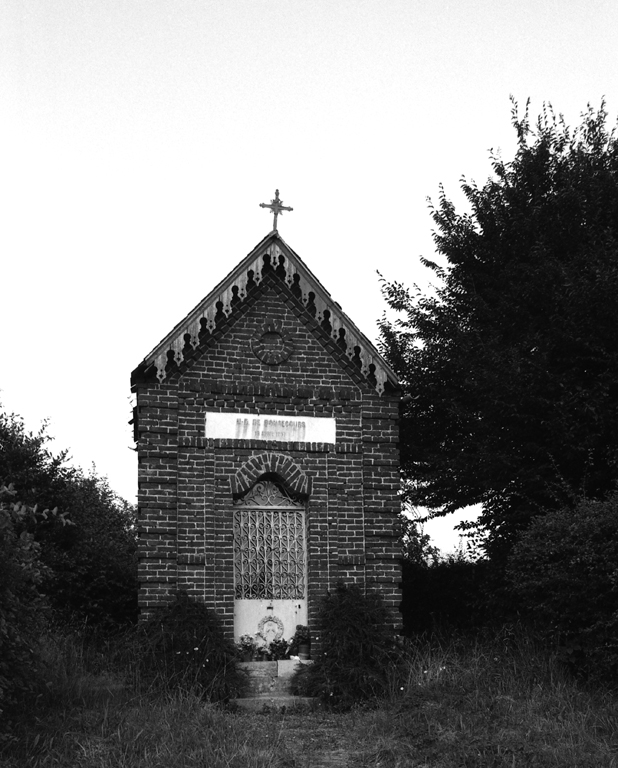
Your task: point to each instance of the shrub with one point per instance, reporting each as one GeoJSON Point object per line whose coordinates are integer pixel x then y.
{"type": "Point", "coordinates": [93, 566]}
{"type": "Point", "coordinates": [23, 611]}
{"type": "Point", "coordinates": [565, 571]}
{"type": "Point", "coordinates": [301, 636]}
{"type": "Point", "coordinates": [444, 595]}
{"type": "Point", "coordinates": [183, 646]}
{"type": "Point", "coordinates": [91, 571]}
{"type": "Point", "coordinates": [356, 649]}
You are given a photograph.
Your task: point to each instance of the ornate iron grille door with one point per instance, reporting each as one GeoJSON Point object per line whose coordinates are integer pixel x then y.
{"type": "Point", "coordinates": [269, 545]}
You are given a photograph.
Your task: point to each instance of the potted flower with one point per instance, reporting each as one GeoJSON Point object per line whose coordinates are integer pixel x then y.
{"type": "Point", "coordinates": [279, 649]}
{"type": "Point", "coordinates": [262, 653]}
{"type": "Point", "coordinates": [301, 641]}
{"type": "Point", "coordinates": [260, 648]}
{"type": "Point", "coordinates": [246, 647]}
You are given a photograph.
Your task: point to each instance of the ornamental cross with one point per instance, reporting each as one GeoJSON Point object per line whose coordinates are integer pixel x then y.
{"type": "Point", "coordinates": [276, 207]}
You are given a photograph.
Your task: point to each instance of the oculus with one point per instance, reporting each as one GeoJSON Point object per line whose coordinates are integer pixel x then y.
{"type": "Point", "coordinates": [271, 344]}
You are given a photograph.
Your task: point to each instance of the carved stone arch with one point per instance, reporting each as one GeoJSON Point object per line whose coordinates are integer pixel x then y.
{"type": "Point", "coordinates": [291, 475]}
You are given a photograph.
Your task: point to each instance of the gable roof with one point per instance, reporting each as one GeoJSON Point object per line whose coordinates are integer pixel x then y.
{"type": "Point", "coordinates": [271, 255]}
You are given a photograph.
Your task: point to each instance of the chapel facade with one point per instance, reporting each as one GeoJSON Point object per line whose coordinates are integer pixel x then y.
{"type": "Point", "coordinates": [267, 438]}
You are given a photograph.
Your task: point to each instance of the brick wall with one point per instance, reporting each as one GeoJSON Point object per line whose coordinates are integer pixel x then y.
{"type": "Point", "coordinates": [186, 482]}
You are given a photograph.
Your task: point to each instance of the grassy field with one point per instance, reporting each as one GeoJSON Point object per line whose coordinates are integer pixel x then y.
{"type": "Point", "coordinates": [502, 701]}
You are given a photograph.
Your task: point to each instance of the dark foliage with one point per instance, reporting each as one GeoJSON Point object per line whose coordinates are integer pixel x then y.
{"type": "Point", "coordinates": [446, 595]}
{"type": "Point", "coordinates": [511, 367]}
{"type": "Point", "coordinates": [38, 476]}
{"type": "Point", "coordinates": [183, 646]}
{"type": "Point", "coordinates": [565, 571]}
{"type": "Point", "coordinates": [93, 567]}
{"type": "Point", "coordinates": [66, 553]}
{"type": "Point", "coordinates": [302, 636]}
{"type": "Point", "coordinates": [23, 611]}
{"type": "Point", "coordinates": [356, 649]}
{"type": "Point", "coordinates": [416, 545]}
{"type": "Point", "coordinates": [279, 649]}
{"type": "Point", "coordinates": [90, 572]}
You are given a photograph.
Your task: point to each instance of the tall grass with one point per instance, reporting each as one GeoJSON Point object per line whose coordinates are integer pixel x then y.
{"type": "Point", "coordinates": [95, 711]}
{"type": "Point", "coordinates": [176, 730]}
{"type": "Point", "coordinates": [497, 701]}
{"type": "Point", "coordinates": [501, 700]}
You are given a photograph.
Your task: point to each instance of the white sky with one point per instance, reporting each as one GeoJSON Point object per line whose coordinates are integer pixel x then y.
{"type": "Point", "coordinates": [137, 138]}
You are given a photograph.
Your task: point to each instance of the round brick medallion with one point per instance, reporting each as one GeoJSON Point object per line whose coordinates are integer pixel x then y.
{"type": "Point", "coordinates": [271, 345]}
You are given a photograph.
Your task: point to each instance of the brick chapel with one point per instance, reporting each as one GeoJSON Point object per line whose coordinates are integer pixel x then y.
{"type": "Point", "coordinates": [267, 438]}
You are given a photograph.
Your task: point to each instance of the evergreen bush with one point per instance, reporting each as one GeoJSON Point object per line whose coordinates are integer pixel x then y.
{"type": "Point", "coordinates": [356, 649]}
{"type": "Point", "coordinates": [183, 646]}
{"type": "Point", "coordinates": [565, 571]}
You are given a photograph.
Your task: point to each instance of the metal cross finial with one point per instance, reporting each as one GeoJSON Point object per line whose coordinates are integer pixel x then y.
{"type": "Point", "coordinates": [276, 207]}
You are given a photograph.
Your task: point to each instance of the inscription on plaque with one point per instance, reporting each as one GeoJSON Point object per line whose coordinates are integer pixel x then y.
{"type": "Point", "coordinates": [270, 429]}
{"type": "Point", "coordinates": [293, 429]}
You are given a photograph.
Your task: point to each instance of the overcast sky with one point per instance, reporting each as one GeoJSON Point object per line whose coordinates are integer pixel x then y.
{"type": "Point", "coordinates": [138, 137]}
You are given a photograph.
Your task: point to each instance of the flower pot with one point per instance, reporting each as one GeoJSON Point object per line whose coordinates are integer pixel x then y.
{"type": "Point", "coordinates": [303, 652]}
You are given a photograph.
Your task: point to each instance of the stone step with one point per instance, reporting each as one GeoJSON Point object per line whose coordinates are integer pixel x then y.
{"type": "Point", "coordinates": [272, 678]}
{"type": "Point", "coordinates": [265, 701]}
{"type": "Point", "coordinates": [272, 685]}
{"type": "Point", "coordinates": [285, 668]}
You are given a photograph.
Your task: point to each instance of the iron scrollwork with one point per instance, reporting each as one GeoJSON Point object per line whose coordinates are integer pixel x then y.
{"type": "Point", "coordinates": [269, 545]}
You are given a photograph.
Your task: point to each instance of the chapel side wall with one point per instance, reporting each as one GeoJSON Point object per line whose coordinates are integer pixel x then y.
{"type": "Point", "coordinates": [381, 483]}
{"type": "Point", "coordinates": [348, 511]}
{"type": "Point", "coordinates": [193, 491]}
{"type": "Point", "coordinates": [157, 441]}
{"type": "Point", "coordinates": [321, 527]}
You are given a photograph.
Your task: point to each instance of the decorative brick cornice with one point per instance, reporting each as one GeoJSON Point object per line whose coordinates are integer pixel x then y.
{"type": "Point", "coordinates": [272, 445]}
{"type": "Point", "coordinates": [270, 257]}
{"type": "Point", "coordinates": [276, 445]}
{"type": "Point", "coordinates": [262, 389]}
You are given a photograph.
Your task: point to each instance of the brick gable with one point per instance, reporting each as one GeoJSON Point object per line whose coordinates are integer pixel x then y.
{"type": "Point", "coordinates": [315, 356]}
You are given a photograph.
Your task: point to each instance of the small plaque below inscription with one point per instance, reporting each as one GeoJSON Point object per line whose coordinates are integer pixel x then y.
{"type": "Point", "coordinates": [289, 429]}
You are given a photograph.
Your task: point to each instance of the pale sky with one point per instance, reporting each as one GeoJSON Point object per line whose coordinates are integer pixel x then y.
{"type": "Point", "coordinates": [138, 137]}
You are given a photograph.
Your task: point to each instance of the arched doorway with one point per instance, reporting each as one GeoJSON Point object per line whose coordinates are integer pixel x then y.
{"type": "Point", "coordinates": [270, 560]}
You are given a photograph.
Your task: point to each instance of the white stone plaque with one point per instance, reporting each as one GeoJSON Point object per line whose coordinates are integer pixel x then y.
{"type": "Point", "coordinates": [260, 426]}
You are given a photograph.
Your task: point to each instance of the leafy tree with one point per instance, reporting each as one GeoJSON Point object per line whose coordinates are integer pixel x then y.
{"type": "Point", "coordinates": [564, 569]}
{"type": "Point", "coordinates": [446, 594]}
{"type": "Point", "coordinates": [511, 363]}
{"type": "Point", "coordinates": [416, 545]}
{"type": "Point", "coordinates": [90, 564]}
{"type": "Point", "coordinates": [23, 611]}
{"type": "Point", "coordinates": [28, 463]}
